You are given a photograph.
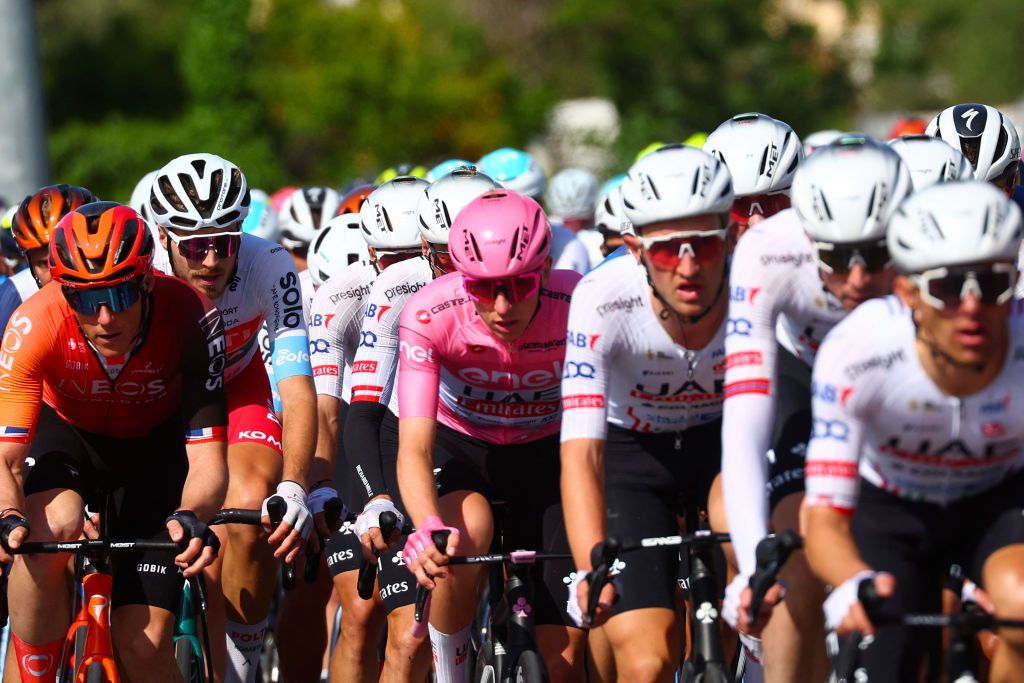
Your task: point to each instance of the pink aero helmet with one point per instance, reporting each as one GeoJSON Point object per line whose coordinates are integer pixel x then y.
{"type": "Point", "coordinates": [500, 234]}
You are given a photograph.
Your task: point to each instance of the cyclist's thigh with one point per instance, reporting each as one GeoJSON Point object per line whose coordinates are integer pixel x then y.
{"type": "Point", "coordinates": [792, 428]}
{"type": "Point", "coordinates": [991, 521]}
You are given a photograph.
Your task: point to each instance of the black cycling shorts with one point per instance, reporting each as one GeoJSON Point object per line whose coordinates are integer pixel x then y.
{"type": "Point", "coordinates": [792, 429]}
{"type": "Point", "coordinates": [144, 478]}
{"type": "Point", "coordinates": [917, 542]}
{"type": "Point", "coordinates": [524, 480]}
{"type": "Point", "coordinates": [651, 482]}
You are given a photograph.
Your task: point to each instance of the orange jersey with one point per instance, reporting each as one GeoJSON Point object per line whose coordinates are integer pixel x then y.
{"type": "Point", "coordinates": [44, 357]}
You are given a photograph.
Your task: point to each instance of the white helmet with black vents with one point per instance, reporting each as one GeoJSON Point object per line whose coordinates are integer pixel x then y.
{"type": "Point", "coordinates": [610, 217]}
{"type": "Point", "coordinates": [197, 191]}
{"type": "Point", "coordinates": [140, 197]}
{"type": "Point", "coordinates": [304, 213]}
{"type": "Point", "coordinates": [572, 194]}
{"type": "Point", "coordinates": [442, 201]}
{"type": "Point", "coordinates": [984, 134]}
{"type": "Point", "coordinates": [676, 181]}
{"type": "Point", "coordinates": [958, 223]}
{"type": "Point", "coordinates": [389, 215]}
{"type": "Point", "coordinates": [931, 160]}
{"type": "Point", "coordinates": [337, 245]}
{"type": "Point", "coordinates": [848, 191]}
{"type": "Point", "coordinates": [762, 153]}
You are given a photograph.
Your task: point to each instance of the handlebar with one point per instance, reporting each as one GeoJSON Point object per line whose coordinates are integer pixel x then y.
{"type": "Point", "coordinates": [772, 553]}
{"type": "Point", "coordinates": [422, 612]}
{"type": "Point", "coordinates": [368, 569]}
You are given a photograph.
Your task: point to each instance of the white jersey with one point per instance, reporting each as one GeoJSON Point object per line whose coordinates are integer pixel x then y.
{"type": "Point", "coordinates": [567, 252]}
{"type": "Point", "coordinates": [622, 367]}
{"type": "Point", "coordinates": [265, 287]}
{"type": "Point", "coordinates": [338, 310]}
{"type": "Point", "coordinates": [25, 283]}
{"type": "Point", "coordinates": [375, 368]}
{"type": "Point", "coordinates": [593, 241]}
{"type": "Point", "coordinates": [776, 297]}
{"type": "Point", "coordinates": [878, 415]}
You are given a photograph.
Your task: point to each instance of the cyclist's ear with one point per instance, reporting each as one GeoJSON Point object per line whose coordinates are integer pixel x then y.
{"type": "Point", "coordinates": [906, 290]}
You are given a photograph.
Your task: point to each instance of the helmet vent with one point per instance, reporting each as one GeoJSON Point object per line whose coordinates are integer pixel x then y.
{"type": "Point", "coordinates": [764, 162]}
{"type": "Point", "coordinates": [200, 166]}
{"type": "Point", "coordinates": [476, 248]}
{"type": "Point", "coordinates": [167, 190]}
{"type": "Point", "coordinates": [515, 243]}
{"type": "Point", "coordinates": [234, 188]}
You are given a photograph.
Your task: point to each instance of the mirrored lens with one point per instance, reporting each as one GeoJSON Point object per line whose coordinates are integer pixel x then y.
{"type": "Point", "coordinates": [118, 298]}
{"type": "Point", "coordinates": [758, 205]}
{"type": "Point", "coordinates": [196, 248]}
{"type": "Point", "coordinates": [667, 254]}
{"type": "Point", "coordinates": [840, 258]}
{"type": "Point", "coordinates": [949, 288]}
{"type": "Point", "coordinates": [515, 288]}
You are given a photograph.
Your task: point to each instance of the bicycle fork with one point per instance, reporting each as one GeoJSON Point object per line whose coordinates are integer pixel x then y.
{"type": "Point", "coordinates": [97, 587]}
{"type": "Point", "coordinates": [520, 636]}
{"type": "Point", "coordinates": [707, 646]}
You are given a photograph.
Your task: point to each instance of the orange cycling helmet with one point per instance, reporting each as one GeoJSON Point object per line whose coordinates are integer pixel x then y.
{"type": "Point", "coordinates": [38, 214]}
{"type": "Point", "coordinates": [99, 245]}
{"type": "Point", "coordinates": [354, 198]}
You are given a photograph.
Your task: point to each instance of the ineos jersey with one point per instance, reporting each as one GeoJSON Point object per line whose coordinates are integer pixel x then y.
{"type": "Point", "coordinates": [454, 370]}
{"type": "Point", "coordinates": [265, 287]}
{"type": "Point", "coordinates": [878, 415]}
{"type": "Point", "coordinates": [339, 307]}
{"type": "Point", "coordinates": [776, 297]}
{"type": "Point", "coordinates": [375, 368]}
{"type": "Point", "coordinates": [622, 367]}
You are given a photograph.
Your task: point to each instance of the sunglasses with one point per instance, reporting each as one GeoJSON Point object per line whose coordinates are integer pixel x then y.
{"type": "Point", "coordinates": [757, 205]}
{"type": "Point", "coordinates": [440, 259]}
{"type": "Point", "coordinates": [117, 298]}
{"type": "Point", "coordinates": [196, 247]}
{"type": "Point", "coordinates": [516, 288]}
{"type": "Point", "coordinates": [841, 258]}
{"type": "Point", "coordinates": [948, 287]}
{"type": "Point", "coordinates": [386, 259]}
{"type": "Point", "coordinates": [667, 251]}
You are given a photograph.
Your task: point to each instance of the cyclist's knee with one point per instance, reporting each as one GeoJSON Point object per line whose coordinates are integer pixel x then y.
{"type": "Point", "coordinates": [1004, 583]}
{"type": "Point", "coordinates": [137, 648]}
{"type": "Point", "coordinates": [645, 667]}
{"type": "Point", "coordinates": [55, 516]}
{"type": "Point", "coordinates": [471, 513]}
{"type": "Point", "coordinates": [401, 642]}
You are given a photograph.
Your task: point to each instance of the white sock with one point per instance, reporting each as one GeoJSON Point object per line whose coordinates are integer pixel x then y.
{"type": "Point", "coordinates": [451, 655]}
{"type": "Point", "coordinates": [245, 642]}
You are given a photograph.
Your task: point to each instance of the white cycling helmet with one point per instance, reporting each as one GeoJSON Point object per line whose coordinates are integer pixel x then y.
{"type": "Point", "coordinates": [197, 191]}
{"type": "Point", "coordinates": [762, 153]}
{"type": "Point", "coordinates": [389, 217]}
{"type": "Point", "coordinates": [337, 245]}
{"type": "Point", "coordinates": [304, 213]}
{"type": "Point", "coordinates": [515, 170]}
{"type": "Point", "coordinates": [572, 194]}
{"type": "Point", "coordinates": [819, 139]}
{"type": "Point", "coordinates": [957, 223]}
{"type": "Point", "coordinates": [262, 219]}
{"type": "Point", "coordinates": [931, 160]}
{"type": "Point", "coordinates": [140, 197]}
{"type": "Point", "coordinates": [609, 216]}
{"type": "Point", "coordinates": [676, 181]}
{"type": "Point", "coordinates": [442, 201]}
{"type": "Point", "coordinates": [984, 134]}
{"type": "Point", "coordinates": [848, 191]}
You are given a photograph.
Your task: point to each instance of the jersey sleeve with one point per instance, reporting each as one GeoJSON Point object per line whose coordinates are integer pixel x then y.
{"type": "Point", "coordinates": [419, 376]}
{"type": "Point", "coordinates": [572, 253]}
{"type": "Point", "coordinates": [748, 410]}
{"type": "Point", "coordinates": [9, 300]}
{"type": "Point", "coordinates": [326, 344]}
{"type": "Point", "coordinates": [373, 370]}
{"type": "Point", "coordinates": [590, 344]}
{"type": "Point", "coordinates": [283, 308]}
{"type": "Point", "coordinates": [26, 345]}
{"type": "Point", "coordinates": [203, 405]}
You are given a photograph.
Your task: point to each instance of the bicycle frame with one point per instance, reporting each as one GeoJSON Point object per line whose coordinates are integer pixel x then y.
{"type": "Point", "coordinates": [98, 643]}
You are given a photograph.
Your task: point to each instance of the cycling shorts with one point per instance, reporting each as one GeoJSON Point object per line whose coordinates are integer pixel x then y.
{"type": "Point", "coordinates": [792, 428]}
{"type": "Point", "coordinates": [917, 542]}
{"type": "Point", "coordinates": [251, 416]}
{"type": "Point", "coordinates": [525, 479]}
{"type": "Point", "coordinates": [92, 465]}
{"type": "Point", "coordinates": [651, 482]}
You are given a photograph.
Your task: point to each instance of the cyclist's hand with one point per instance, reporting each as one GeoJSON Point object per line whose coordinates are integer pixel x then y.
{"type": "Point", "coordinates": [579, 597]}
{"type": "Point", "coordinates": [843, 611]}
{"type": "Point", "coordinates": [736, 606]}
{"type": "Point", "coordinates": [14, 529]}
{"type": "Point", "coordinates": [368, 527]}
{"type": "Point", "coordinates": [295, 526]}
{"type": "Point", "coordinates": [422, 556]}
{"type": "Point", "coordinates": [91, 527]}
{"type": "Point", "coordinates": [202, 546]}
{"type": "Point", "coordinates": [316, 501]}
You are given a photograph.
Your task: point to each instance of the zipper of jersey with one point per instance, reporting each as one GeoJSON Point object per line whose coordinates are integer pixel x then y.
{"type": "Point", "coordinates": [691, 362]}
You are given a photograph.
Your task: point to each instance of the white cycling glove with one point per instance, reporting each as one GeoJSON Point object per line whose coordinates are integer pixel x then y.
{"type": "Point", "coordinates": [296, 514]}
{"type": "Point", "coordinates": [369, 518]}
{"type": "Point", "coordinates": [843, 597]}
{"type": "Point", "coordinates": [573, 607]}
{"type": "Point", "coordinates": [731, 604]}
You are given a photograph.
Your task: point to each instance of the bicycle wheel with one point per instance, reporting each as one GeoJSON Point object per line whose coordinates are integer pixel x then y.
{"type": "Point", "coordinates": [530, 669]}
{"type": "Point", "coordinates": [95, 674]}
{"type": "Point", "coordinates": [486, 666]}
{"type": "Point", "coordinates": [190, 664]}
{"type": "Point", "coordinates": [270, 660]}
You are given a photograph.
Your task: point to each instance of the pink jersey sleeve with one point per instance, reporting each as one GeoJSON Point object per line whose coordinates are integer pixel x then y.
{"type": "Point", "coordinates": [419, 374]}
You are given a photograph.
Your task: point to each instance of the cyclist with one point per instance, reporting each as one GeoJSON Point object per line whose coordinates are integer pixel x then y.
{"type": "Point", "coordinates": [31, 224]}
{"type": "Point", "coordinates": [610, 221]}
{"type": "Point", "coordinates": [931, 160]}
{"type": "Point", "coordinates": [339, 308]}
{"type": "Point", "coordinates": [199, 202]}
{"type": "Point", "coordinates": [303, 214]}
{"type": "Point", "coordinates": [641, 437]}
{"type": "Point", "coordinates": [262, 219]}
{"type": "Point", "coordinates": [762, 154]}
{"type": "Point", "coordinates": [987, 137]}
{"type": "Point", "coordinates": [102, 369]}
{"type": "Point", "coordinates": [140, 202]}
{"type": "Point", "coordinates": [793, 277]}
{"type": "Point", "coordinates": [353, 200]}
{"type": "Point", "coordinates": [481, 360]}
{"type": "Point", "coordinates": [916, 456]}
{"type": "Point", "coordinates": [522, 173]}
{"type": "Point", "coordinates": [819, 139]}
{"type": "Point", "coordinates": [338, 245]}
{"type": "Point", "coordinates": [371, 430]}
{"type": "Point", "coordinates": [911, 125]}
{"type": "Point", "coordinates": [571, 198]}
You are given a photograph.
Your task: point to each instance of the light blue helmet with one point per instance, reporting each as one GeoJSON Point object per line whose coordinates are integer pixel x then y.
{"type": "Point", "coordinates": [515, 170]}
{"type": "Point", "coordinates": [446, 167]}
{"type": "Point", "coordinates": [262, 219]}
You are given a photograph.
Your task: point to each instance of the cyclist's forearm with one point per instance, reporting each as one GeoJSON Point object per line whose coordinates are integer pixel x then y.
{"type": "Point", "coordinates": [328, 427]}
{"type": "Point", "coordinates": [829, 545]}
{"type": "Point", "coordinates": [415, 468]}
{"type": "Point", "coordinates": [582, 484]}
{"type": "Point", "coordinates": [12, 457]}
{"type": "Point", "coordinates": [207, 480]}
{"type": "Point", "coordinates": [299, 428]}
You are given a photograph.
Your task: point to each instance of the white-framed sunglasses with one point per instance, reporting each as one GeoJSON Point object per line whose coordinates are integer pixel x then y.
{"type": "Point", "coordinates": [666, 251]}
{"type": "Point", "coordinates": [947, 287]}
